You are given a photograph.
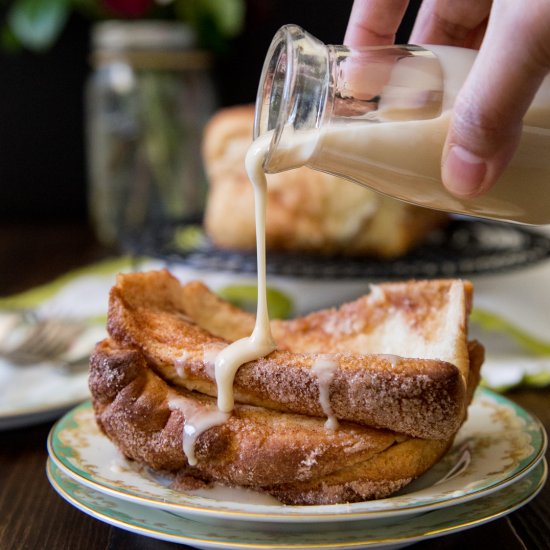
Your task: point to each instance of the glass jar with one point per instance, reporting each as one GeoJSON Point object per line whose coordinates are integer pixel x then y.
{"type": "Point", "coordinates": [379, 116]}
{"type": "Point", "coordinates": [148, 100]}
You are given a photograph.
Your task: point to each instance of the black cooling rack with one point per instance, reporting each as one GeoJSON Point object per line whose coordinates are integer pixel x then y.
{"type": "Point", "coordinates": [464, 248]}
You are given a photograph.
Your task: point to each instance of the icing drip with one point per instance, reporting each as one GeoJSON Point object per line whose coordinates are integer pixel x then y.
{"type": "Point", "coordinates": [209, 354]}
{"type": "Point", "coordinates": [392, 359]}
{"type": "Point", "coordinates": [196, 421]}
{"type": "Point", "coordinates": [179, 364]}
{"type": "Point", "coordinates": [260, 343]}
{"type": "Point", "coordinates": [324, 369]}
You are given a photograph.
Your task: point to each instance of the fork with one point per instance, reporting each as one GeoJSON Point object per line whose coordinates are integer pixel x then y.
{"type": "Point", "coordinates": [43, 340]}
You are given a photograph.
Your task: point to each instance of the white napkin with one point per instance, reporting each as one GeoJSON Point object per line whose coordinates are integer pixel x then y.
{"type": "Point", "coordinates": [41, 388]}
{"type": "Point", "coordinates": [521, 299]}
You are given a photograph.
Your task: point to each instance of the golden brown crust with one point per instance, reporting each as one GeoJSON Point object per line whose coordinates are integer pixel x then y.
{"type": "Point", "coordinates": [307, 210]}
{"type": "Point", "coordinates": [179, 329]}
{"type": "Point", "coordinates": [131, 405]}
{"type": "Point", "coordinates": [384, 474]}
{"type": "Point", "coordinates": [294, 458]}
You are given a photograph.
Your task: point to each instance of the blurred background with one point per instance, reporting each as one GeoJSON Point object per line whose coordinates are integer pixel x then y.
{"type": "Point", "coordinates": [43, 173]}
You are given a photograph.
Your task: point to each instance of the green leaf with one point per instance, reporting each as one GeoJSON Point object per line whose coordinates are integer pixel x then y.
{"type": "Point", "coordinates": [8, 40]}
{"type": "Point", "coordinates": [223, 17]}
{"type": "Point", "coordinates": [495, 323]}
{"type": "Point", "coordinates": [38, 23]}
{"type": "Point", "coordinates": [227, 14]}
{"type": "Point", "coordinates": [279, 304]}
{"type": "Point", "coordinates": [188, 238]}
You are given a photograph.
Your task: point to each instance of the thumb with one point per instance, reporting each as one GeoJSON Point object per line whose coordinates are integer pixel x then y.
{"type": "Point", "coordinates": [488, 111]}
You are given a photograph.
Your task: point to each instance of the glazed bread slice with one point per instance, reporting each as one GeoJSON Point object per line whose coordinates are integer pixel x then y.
{"type": "Point", "coordinates": [400, 353]}
{"type": "Point", "coordinates": [293, 457]}
{"type": "Point", "coordinates": [396, 466]}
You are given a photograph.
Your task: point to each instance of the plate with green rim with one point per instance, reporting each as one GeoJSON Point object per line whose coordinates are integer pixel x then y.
{"type": "Point", "coordinates": [498, 445]}
{"type": "Point", "coordinates": [165, 525]}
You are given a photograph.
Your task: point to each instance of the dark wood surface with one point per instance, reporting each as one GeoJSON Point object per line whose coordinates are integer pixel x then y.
{"type": "Point", "coordinates": [34, 517]}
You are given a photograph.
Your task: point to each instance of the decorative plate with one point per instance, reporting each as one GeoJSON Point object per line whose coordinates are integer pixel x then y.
{"type": "Point", "coordinates": [498, 445]}
{"type": "Point", "coordinates": [164, 525]}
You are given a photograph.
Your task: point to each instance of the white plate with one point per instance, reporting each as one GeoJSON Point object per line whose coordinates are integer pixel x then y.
{"type": "Point", "coordinates": [37, 393]}
{"type": "Point", "coordinates": [498, 445]}
{"type": "Point", "coordinates": [164, 525]}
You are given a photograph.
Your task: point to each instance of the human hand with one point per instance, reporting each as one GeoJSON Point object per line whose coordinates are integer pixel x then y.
{"type": "Point", "coordinates": [513, 59]}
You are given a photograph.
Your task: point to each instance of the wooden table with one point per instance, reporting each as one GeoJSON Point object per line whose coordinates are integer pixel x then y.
{"type": "Point", "coordinates": [34, 517]}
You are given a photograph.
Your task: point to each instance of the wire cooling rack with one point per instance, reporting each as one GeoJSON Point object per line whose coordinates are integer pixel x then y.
{"type": "Point", "coordinates": [463, 248]}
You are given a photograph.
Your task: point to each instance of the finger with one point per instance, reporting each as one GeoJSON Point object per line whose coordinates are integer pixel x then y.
{"type": "Point", "coordinates": [451, 22]}
{"type": "Point", "coordinates": [374, 22]}
{"type": "Point", "coordinates": [488, 112]}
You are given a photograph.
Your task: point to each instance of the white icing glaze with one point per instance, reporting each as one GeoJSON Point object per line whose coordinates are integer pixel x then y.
{"type": "Point", "coordinates": [324, 369]}
{"type": "Point", "coordinates": [260, 342]}
{"type": "Point", "coordinates": [179, 364]}
{"type": "Point", "coordinates": [211, 351]}
{"type": "Point", "coordinates": [209, 355]}
{"type": "Point", "coordinates": [234, 494]}
{"type": "Point", "coordinates": [118, 465]}
{"type": "Point", "coordinates": [393, 359]}
{"type": "Point", "coordinates": [197, 420]}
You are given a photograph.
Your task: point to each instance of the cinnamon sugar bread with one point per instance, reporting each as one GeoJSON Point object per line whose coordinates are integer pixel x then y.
{"type": "Point", "coordinates": [307, 210]}
{"type": "Point", "coordinates": [292, 457]}
{"type": "Point", "coordinates": [155, 371]}
{"type": "Point", "coordinates": [401, 351]}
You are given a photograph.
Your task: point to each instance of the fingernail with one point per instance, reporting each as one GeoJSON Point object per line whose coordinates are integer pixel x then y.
{"type": "Point", "coordinates": [463, 172]}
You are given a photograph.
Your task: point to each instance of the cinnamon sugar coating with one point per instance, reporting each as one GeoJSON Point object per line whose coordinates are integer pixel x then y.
{"type": "Point", "coordinates": [253, 447]}
{"type": "Point", "coordinates": [404, 375]}
{"type": "Point", "coordinates": [401, 351]}
{"type": "Point", "coordinates": [293, 457]}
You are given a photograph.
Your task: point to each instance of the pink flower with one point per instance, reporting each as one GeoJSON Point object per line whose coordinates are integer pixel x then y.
{"type": "Point", "coordinates": [128, 8]}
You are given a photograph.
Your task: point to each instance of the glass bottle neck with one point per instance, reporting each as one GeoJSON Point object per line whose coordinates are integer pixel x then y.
{"type": "Point", "coordinates": [292, 93]}
{"type": "Point", "coordinates": [307, 86]}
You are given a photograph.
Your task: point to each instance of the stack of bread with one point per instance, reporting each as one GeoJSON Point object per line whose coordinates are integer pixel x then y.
{"type": "Point", "coordinates": [403, 375]}
{"type": "Point", "coordinates": [308, 211]}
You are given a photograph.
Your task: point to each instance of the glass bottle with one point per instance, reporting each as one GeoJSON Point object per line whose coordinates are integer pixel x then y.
{"type": "Point", "coordinates": [379, 116]}
{"type": "Point", "coordinates": [148, 100]}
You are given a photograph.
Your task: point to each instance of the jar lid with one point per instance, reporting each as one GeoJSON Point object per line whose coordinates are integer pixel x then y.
{"type": "Point", "coordinates": [162, 45]}
{"type": "Point", "coordinates": [143, 35]}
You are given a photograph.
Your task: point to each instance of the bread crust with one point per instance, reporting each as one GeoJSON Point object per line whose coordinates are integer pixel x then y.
{"type": "Point", "coordinates": [179, 329]}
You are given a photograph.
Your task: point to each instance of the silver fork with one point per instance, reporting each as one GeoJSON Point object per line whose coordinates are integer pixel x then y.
{"type": "Point", "coordinates": [42, 340]}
